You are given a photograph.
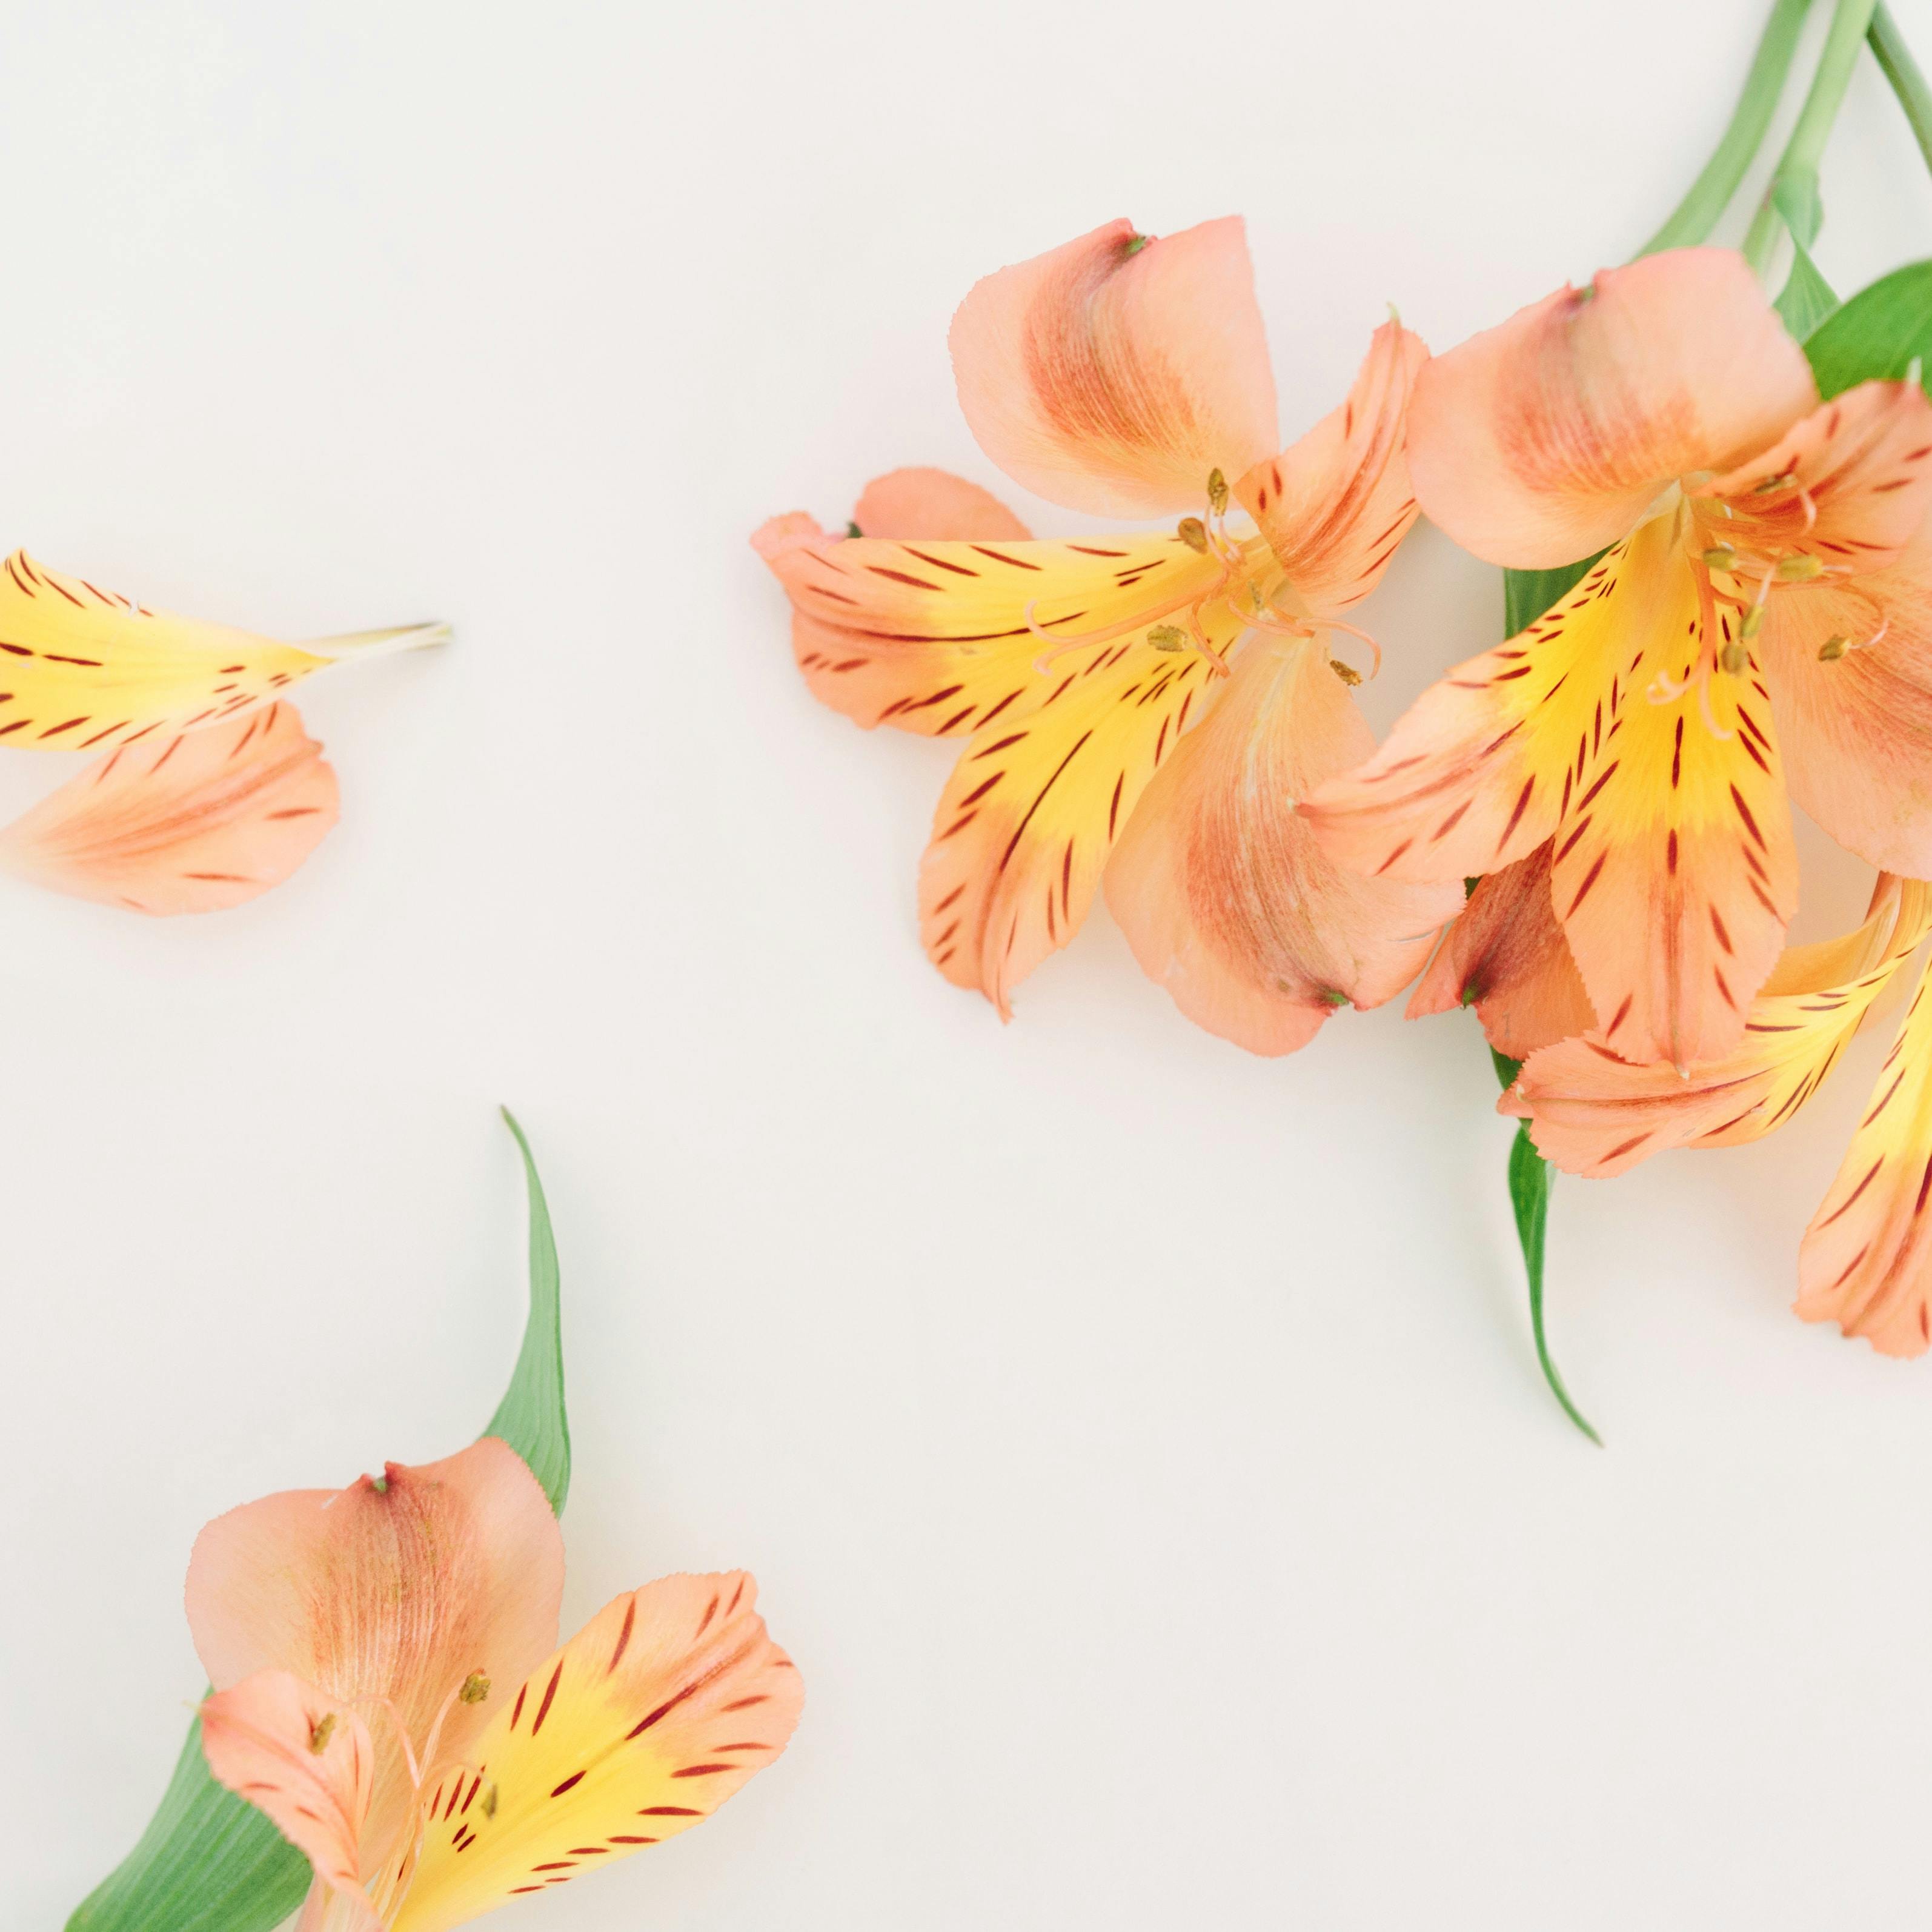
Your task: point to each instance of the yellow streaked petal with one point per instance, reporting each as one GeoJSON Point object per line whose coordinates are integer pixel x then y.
{"type": "Point", "coordinates": [663, 1704]}
{"type": "Point", "coordinates": [934, 637]}
{"type": "Point", "coordinates": [1032, 810]}
{"type": "Point", "coordinates": [1866, 1260]}
{"type": "Point", "coordinates": [84, 667]}
{"type": "Point", "coordinates": [1592, 1112]}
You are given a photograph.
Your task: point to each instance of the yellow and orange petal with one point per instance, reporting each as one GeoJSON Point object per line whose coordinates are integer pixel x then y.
{"type": "Point", "coordinates": [1335, 505]}
{"type": "Point", "coordinates": [1224, 894]}
{"type": "Point", "coordinates": [300, 1757]}
{"type": "Point", "coordinates": [662, 1706]}
{"type": "Point", "coordinates": [1032, 810]}
{"type": "Point", "coordinates": [941, 637]}
{"type": "Point", "coordinates": [400, 1588]}
{"type": "Point", "coordinates": [1506, 956]}
{"type": "Point", "coordinates": [1112, 374]}
{"type": "Point", "coordinates": [1541, 441]}
{"type": "Point", "coordinates": [1608, 727]}
{"type": "Point", "coordinates": [1866, 1260]}
{"type": "Point", "coordinates": [1592, 1112]}
{"type": "Point", "coordinates": [84, 667]}
{"type": "Point", "coordinates": [193, 823]}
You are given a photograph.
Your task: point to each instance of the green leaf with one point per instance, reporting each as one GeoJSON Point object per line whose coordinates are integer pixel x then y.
{"type": "Point", "coordinates": [209, 1862]}
{"type": "Point", "coordinates": [1527, 594]}
{"type": "Point", "coordinates": [1807, 299]}
{"type": "Point", "coordinates": [1529, 1178]}
{"type": "Point", "coordinates": [1881, 332]}
{"type": "Point", "coordinates": [531, 1417]}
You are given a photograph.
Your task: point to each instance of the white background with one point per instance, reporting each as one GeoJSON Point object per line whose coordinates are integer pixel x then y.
{"type": "Point", "coordinates": [1139, 1444]}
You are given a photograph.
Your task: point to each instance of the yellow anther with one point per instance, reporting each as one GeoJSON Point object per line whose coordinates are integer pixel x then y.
{"type": "Point", "coordinates": [1720, 556]}
{"type": "Point", "coordinates": [1753, 621]}
{"type": "Point", "coordinates": [319, 1734]}
{"type": "Point", "coordinates": [1168, 637]}
{"type": "Point", "coordinates": [1347, 674]}
{"type": "Point", "coordinates": [1193, 532]}
{"type": "Point", "coordinates": [1833, 648]}
{"type": "Point", "coordinates": [489, 1804]}
{"type": "Point", "coordinates": [1217, 491]}
{"type": "Point", "coordinates": [476, 1688]}
{"type": "Point", "coordinates": [1783, 480]}
{"type": "Point", "coordinates": [1799, 569]}
{"type": "Point", "coordinates": [1734, 657]}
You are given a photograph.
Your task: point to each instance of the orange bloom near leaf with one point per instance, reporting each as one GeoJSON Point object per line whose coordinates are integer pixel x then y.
{"type": "Point", "coordinates": [389, 1690]}
{"type": "Point", "coordinates": [1140, 711]}
{"type": "Point", "coordinates": [1761, 623]}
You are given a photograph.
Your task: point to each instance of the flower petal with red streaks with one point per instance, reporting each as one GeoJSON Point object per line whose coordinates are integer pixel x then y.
{"type": "Point", "coordinates": [927, 506]}
{"type": "Point", "coordinates": [1544, 440]}
{"type": "Point", "coordinates": [1335, 505]}
{"type": "Point", "coordinates": [1113, 373]}
{"type": "Point", "coordinates": [192, 823]}
{"type": "Point", "coordinates": [1507, 956]}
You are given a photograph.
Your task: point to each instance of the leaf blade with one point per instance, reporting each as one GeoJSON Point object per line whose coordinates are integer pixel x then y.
{"type": "Point", "coordinates": [1879, 334]}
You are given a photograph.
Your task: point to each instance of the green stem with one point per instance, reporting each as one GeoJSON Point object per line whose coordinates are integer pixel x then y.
{"type": "Point", "coordinates": [1792, 200]}
{"type": "Point", "coordinates": [1894, 57]}
{"type": "Point", "coordinates": [1710, 194]}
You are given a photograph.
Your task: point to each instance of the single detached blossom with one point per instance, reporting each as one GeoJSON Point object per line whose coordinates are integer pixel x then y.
{"type": "Point", "coordinates": [207, 790]}
{"type": "Point", "coordinates": [1866, 1261]}
{"type": "Point", "coordinates": [1141, 709]}
{"type": "Point", "coordinates": [1762, 622]}
{"type": "Point", "coordinates": [388, 1689]}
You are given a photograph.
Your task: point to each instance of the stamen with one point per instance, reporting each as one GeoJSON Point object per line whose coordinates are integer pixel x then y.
{"type": "Point", "coordinates": [1711, 723]}
{"type": "Point", "coordinates": [1217, 492]}
{"type": "Point", "coordinates": [320, 1733]}
{"type": "Point", "coordinates": [1734, 657]}
{"type": "Point", "coordinates": [1168, 637]}
{"type": "Point", "coordinates": [1798, 569]}
{"type": "Point", "coordinates": [1832, 649]}
{"type": "Point", "coordinates": [1720, 556]}
{"type": "Point", "coordinates": [476, 1688]}
{"type": "Point", "coordinates": [1347, 672]}
{"type": "Point", "coordinates": [1193, 532]}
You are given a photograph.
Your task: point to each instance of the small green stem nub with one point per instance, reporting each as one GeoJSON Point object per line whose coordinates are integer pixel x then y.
{"type": "Point", "coordinates": [1792, 199]}
{"type": "Point", "coordinates": [1710, 194]}
{"type": "Point", "coordinates": [1894, 59]}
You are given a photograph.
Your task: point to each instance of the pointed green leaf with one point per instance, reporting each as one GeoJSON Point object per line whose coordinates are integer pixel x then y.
{"type": "Point", "coordinates": [1882, 331]}
{"type": "Point", "coordinates": [209, 1862]}
{"type": "Point", "coordinates": [531, 1417]}
{"type": "Point", "coordinates": [1807, 299]}
{"type": "Point", "coordinates": [1527, 594]}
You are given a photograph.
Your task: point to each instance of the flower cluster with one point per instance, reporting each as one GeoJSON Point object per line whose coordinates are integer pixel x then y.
{"type": "Point", "coordinates": [1168, 714]}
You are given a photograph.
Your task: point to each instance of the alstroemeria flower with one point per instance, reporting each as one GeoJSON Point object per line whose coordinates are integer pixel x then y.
{"type": "Point", "coordinates": [1866, 1262]}
{"type": "Point", "coordinates": [1143, 708]}
{"type": "Point", "coordinates": [388, 1689]}
{"type": "Point", "coordinates": [209, 792]}
{"type": "Point", "coordinates": [1764, 615]}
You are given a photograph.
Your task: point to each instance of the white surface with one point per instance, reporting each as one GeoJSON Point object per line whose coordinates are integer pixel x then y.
{"type": "Point", "coordinates": [1139, 1444]}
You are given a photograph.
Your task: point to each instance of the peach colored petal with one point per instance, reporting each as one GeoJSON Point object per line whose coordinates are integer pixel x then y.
{"type": "Point", "coordinates": [298, 1756]}
{"type": "Point", "coordinates": [926, 504]}
{"type": "Point", "coordinates": [1507, 956]}
{"type": "Point", "coordinates": [1856, 725]}
{"type": "Point", "coordinates": [191, 823]}
{"type": "Point", "coordinates": [1866, 1260]}
{"type": "Point", "coordinates": [1592, 1112]}
{"type": "Point", "coordinates": [1335, 505]}
{"type": "Point", "coordinates": [941, 637]}
{"type": "Point", "coordinates": [1224, 894]}
{"type": "Point", "coordinates": [1608, 725]}
{"type": "Point", "coordinates": [665, 1705]}
{"type": "Point", "coordinates": [1848, 487]}
{"type": "Point", "coordinates": [1541, 441]}
{"type": "Point", "coordinates": [1112, 374]}
{"type": "Point", "coordinates": [401, 1591]}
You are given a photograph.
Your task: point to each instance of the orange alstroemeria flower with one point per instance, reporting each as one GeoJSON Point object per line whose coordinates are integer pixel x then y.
{"type": "Point", "coordinates": [1142, 709]}
{"type": "Point", "coordinates": [207, 791]}
{"type": "Point", "coordinates": [389, 1690]}
{"type": "Point", "coordinates": [1866, 1261]}
{"type": "Point", "coordinates": [1762, 620]}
